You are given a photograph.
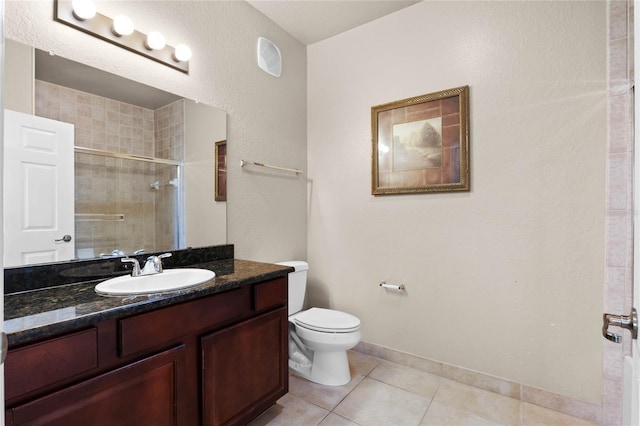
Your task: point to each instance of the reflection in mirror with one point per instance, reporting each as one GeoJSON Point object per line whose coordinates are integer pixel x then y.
{"type": "Point", "coordinates": [221, 171]}
{"type": "Point", "coordinates": [144, 159]}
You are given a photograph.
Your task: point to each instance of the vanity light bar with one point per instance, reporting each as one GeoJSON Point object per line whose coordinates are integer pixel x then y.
{"type": "Point", "coordinates": [102, 27]}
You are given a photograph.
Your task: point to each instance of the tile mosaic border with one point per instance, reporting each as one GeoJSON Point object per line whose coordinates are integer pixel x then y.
{"type": "Point", "coordinates": [524, 393]}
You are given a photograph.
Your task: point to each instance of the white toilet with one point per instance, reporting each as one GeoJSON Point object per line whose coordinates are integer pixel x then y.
{"type": "Point", "coordinates": [318, 338]}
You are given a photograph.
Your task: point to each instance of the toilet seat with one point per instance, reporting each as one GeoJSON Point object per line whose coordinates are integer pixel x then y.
{"type": "Point", "coordinates": [327, 321]}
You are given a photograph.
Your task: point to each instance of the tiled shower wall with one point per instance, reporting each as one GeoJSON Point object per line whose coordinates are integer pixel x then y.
{"type": "Point", "coordinates": [619, 218]}
{"type": "Point", "coordinates": [169, 137]}
{"type": "Point", "coordinates": [107, 185]}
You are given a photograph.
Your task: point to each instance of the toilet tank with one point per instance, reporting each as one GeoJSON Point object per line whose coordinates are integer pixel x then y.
{"type": "Point", "coordinates": [297, 284]}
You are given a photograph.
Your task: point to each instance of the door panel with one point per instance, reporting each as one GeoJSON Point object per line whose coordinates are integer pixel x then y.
{"type": "Point", "coordinates": [38, 190]}
{"type": "Point", "coordinates": [244, 369]}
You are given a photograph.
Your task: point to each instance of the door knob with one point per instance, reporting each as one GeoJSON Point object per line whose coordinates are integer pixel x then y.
{"type": "Point", "coordinates": [629, 322]}
{"type": "Point", "coordinates": [66, 239]}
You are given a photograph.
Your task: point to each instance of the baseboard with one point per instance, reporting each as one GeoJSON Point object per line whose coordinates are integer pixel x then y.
{"type": "Point", "coordinates": [563, 404]}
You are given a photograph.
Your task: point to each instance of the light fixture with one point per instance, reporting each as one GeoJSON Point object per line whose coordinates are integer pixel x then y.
{"type": "Point", "coordinates": [83, 9]}
{"type": "Point", "coordinates": [122, 25]}
{"type": "Point", "coordinates": [155, 41]}
{"type": "Point", "coordinates": [182, 53]}
{"type": "Point", "coordinates": [82, 15]}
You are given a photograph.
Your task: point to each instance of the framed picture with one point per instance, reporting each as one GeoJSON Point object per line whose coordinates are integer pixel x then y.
{"type": "Point", "coordinates": [421, 144]}
{"type": "Point", "coordinates": [221, 171]}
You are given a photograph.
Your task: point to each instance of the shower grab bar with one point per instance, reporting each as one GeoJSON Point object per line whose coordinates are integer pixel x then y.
{"type": "Point", "coordinates": [99, 217]}
{"type": "Point", "coordinates": [92, 151]}
{"type": "Point", "coordinates": [268, 166]}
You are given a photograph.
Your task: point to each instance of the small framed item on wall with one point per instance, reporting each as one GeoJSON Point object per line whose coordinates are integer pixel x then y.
{"type": "Point", "coordinates": [221, 171]}
{"type": "Point", "coordinates": [421, 144]}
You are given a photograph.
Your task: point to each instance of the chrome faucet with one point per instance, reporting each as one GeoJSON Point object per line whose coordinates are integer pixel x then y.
{"type": "Point", "coordinates": [152, 266]}
{"type": "Point", "coordinates": [135, 271]}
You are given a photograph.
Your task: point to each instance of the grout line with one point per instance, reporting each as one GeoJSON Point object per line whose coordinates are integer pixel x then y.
{"type": "Point", "coordinates": [520, 387]}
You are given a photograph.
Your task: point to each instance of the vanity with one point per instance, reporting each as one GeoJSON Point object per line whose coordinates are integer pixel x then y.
{"type": "Point", "coordinates": [213, 354]}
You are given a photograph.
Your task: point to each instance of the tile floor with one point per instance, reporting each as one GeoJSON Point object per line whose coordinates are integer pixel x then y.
{"type": "Point", "coordinates": [385, 393]}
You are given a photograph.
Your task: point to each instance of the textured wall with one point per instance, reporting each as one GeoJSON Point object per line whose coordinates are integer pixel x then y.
{"type": "Point", "coordinates": [507, 278]}
{"type": "Point", "coordinates": [266, 116]}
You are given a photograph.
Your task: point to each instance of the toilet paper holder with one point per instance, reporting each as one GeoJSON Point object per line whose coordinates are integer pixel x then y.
{"type": "Point", "coordinates": [392, 286]}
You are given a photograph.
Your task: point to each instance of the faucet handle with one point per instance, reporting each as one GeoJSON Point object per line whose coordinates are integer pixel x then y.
{"type": "Point", "coordinates": [154, 264]}
{"type": "Point", "coordinates": [135, 271]}
{"type": "Point", "coordinates": [160, 257]}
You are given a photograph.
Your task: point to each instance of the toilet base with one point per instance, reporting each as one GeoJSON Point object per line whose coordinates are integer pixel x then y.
{"type": "Point", "coordinates": [327, 368]}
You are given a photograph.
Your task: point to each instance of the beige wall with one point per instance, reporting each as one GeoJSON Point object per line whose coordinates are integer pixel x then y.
{"type": "Point", "coordinates": [507, 278]}
{"type": "Point", "coordinates": [266, 115]}
{"type": "Point", "coordinates": [19, 68]}
{"type": "Point", "coordinates": [206, 126]}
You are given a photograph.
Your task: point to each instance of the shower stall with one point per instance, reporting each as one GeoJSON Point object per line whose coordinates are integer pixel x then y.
{"type": "Point", "coordinates": [126, 203]}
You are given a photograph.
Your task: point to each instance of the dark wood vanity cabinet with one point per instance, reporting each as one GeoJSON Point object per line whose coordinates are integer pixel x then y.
{"type": "Point", "coordinates": [217, 360]}
{"type": "Point", "coordinates": [141, 393]}
{"type": "Point", "coordinates": [243, 369]}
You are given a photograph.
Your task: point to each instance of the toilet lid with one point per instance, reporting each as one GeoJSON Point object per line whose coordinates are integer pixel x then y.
{"type": "Point", "coordinates": [327, 320]}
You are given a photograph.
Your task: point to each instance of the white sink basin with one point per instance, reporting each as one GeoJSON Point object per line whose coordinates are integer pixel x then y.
{"type": "Point", "coordinates": [169, 280]}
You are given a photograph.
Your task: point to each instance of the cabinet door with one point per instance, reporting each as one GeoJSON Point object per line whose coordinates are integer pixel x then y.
{"type": "Point", "coordinates": [245, 369]}
{"type": "Point", "coordinates": [142, 393]}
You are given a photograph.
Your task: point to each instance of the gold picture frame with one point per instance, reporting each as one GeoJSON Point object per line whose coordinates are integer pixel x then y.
{"type": "Point", "coordinates": [421, 144]}
{"type": "Point", "coordinates": [221, 171]}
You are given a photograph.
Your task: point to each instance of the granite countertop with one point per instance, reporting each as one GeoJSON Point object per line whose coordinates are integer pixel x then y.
{"type": "Point", "coordinates": [38, 314]}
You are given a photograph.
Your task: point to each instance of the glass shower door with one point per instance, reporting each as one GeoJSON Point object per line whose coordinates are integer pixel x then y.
{"type": "Point", "coordinates": [124, 205]}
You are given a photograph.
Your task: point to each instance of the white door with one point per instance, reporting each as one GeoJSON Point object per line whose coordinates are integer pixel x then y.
{"type": "Point", "coordinates": [38, 190]}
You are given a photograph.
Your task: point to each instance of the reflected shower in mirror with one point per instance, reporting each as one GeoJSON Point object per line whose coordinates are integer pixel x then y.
{"type": "Point", "coordinates": [144, 158]}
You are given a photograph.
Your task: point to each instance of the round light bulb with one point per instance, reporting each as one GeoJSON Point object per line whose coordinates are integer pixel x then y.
{"type": "Point", "coordinates": [122, 25]}
{"type": "Point", "coordinates": [155, 41]}
{"type": "Point", "coordinates": [182, 53]}
{"type": "Point", "coordinates": [83, 9]}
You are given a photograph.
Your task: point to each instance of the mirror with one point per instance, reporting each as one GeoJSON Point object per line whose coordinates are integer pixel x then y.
{"type": "Point", "coordinates": [145, 160]}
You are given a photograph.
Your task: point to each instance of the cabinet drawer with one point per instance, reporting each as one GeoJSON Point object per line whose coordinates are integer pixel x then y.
{"type": "Point", "coordinates": [165, 325]}
{"type": "Point", "coordinates": [270, 294]}
{"type": "Point", "coordinates": [142, 393]}
{"type": "Point", "coordinates": [39, 365]}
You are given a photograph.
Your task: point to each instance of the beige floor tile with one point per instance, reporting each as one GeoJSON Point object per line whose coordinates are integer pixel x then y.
{"type": "Point", "coordinates": [486, 404]}
{"type": "Point", "coordinates": [336, 420]}
{"type": "Point", "coordinates": [407, 378]}
{"type": "Point", "coordinates": [440, 414]}
{"type": "Point", "coordinates": [327, 397]}
{"type": "Point", "coordinates": [533, 415]}
{"type": "Point", "coordinates": [375, 403]}
{"type": "Point", "coordinates": [361, 364]}
{"type": "Point", "coordinates": [291, 411]}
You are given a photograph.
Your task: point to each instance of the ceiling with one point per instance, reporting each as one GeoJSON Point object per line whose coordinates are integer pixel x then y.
{"type": "Point", "coordinates": [310, 21]}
